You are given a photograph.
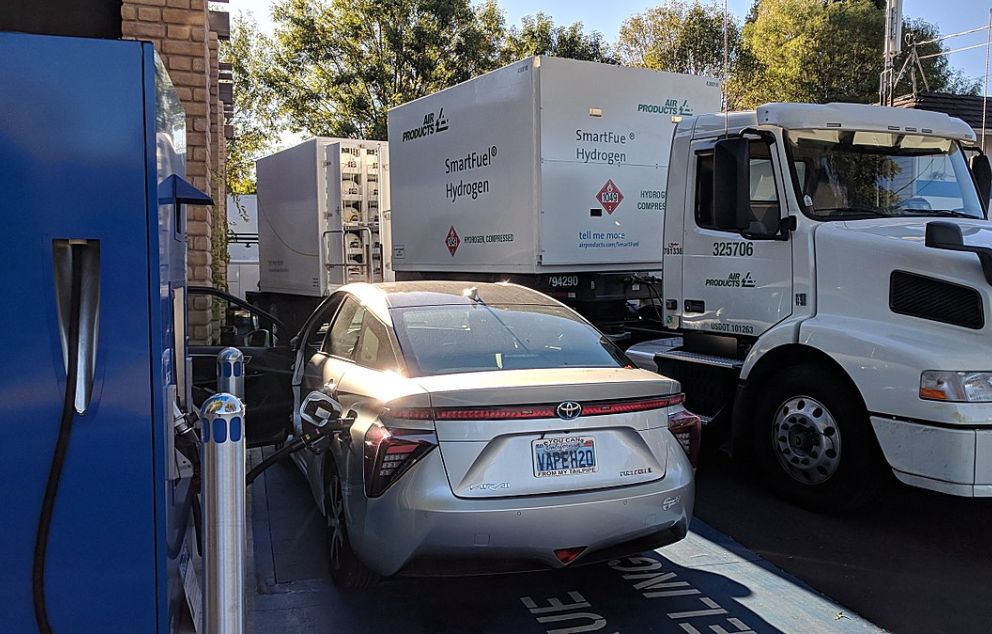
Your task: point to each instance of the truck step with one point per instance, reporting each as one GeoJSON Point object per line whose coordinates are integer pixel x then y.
{"type": "Point", "coordinates": [729, 363]}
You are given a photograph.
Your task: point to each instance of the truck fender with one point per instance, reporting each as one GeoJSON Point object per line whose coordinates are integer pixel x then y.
{"type": "Point", "coordinates": [763, 367]}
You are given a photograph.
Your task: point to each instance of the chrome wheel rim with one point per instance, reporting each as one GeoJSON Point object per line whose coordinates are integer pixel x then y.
{"type": "Point", "coordinates": [806, 440]}
{"type": "Point", "coordinates": [335, 521]}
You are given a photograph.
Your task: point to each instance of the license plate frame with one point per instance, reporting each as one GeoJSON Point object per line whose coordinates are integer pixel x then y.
{"type": "Point", "coordinates": [563, 456]}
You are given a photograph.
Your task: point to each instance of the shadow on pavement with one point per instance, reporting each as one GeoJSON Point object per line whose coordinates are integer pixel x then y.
{"type": "Point", "coordinates": [707, 583]}
{"type": "Point", "coordinates": [914, 561]}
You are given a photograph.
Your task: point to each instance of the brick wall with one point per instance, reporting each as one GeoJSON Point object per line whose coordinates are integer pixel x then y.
{"type": "Point", "coordinates": [180, 31]}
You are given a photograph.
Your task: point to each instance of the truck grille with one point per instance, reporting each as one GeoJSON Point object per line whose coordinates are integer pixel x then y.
{"type": "Point", "coordinates": [936, 300]}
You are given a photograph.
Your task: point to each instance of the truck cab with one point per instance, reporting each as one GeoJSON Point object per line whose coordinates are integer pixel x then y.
{"type": "Point", "coordinates": [828, 270]}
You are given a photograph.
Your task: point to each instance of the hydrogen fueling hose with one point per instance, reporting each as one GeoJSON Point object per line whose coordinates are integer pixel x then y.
{"type": "Point", "coordinates": [284, 451]}
{"type": "Point", "coordinates": [61, 447]}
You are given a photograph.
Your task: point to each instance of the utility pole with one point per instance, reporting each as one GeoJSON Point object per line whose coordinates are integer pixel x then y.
{"type": "Point", "coordinates": [893, 46]}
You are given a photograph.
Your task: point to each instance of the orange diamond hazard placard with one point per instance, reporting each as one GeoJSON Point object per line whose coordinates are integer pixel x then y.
{"type": "Point", "coordinates": [609, 196]}
{"type": "Point", "coordinates": [452, 241]}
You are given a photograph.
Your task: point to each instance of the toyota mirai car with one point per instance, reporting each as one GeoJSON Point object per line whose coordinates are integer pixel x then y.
{"type": "Point", "coordinates": [482, 429]}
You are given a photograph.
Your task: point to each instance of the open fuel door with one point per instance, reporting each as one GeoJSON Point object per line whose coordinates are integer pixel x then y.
{"type": "Point", "coordinates": [265, 343]}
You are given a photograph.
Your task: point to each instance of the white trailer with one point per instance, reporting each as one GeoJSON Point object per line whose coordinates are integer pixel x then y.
{"type": "Point", "coordinates": [548, 171]}
{"type": "Point", "coordinates": [320, 208]}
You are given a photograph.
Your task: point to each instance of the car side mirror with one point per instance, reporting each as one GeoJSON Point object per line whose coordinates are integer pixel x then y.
{"type": "Point", "coordinates": [258, 338]}
{"type": "Point", "coordinates": [981, 168]}
{"type": "Point", "coordinates": [732, 184]}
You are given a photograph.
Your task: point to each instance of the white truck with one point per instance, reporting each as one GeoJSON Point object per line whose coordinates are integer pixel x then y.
{"type": "Point", "coordinates": [548, 172]}
{"type": "Point", "coordinates": [827, 269]}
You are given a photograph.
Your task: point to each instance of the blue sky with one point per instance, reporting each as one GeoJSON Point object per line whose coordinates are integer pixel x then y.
{"type": "Point", "coordinates": [950, 16]}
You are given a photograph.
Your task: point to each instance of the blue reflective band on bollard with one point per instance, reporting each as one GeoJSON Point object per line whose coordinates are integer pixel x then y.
{"type": "Point", "coordinates": [235, 429]}
{"type": "Point", "coordinates": [220, 430]}
{"type": "Point", "coordinates": [231, 372]}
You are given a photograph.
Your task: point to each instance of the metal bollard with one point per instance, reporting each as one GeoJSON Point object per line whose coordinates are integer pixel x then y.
{"type": "Point", "coordinates": [231, 372]}
{"type": "Point", "coordinates": [225, 528]}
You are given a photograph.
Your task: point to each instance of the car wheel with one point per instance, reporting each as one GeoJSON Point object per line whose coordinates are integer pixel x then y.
{"type": "Point", "coordinates": [347, 570]}
{"type": "Point", "coordinates": [814, 441]}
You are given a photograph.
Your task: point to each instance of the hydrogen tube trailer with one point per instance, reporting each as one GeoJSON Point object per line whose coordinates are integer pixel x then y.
{"type": "Point", "coordinates": [93, 375]}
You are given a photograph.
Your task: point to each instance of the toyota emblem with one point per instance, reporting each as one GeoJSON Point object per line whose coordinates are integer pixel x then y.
{"type": "Point", "coordinates": [568, 410]}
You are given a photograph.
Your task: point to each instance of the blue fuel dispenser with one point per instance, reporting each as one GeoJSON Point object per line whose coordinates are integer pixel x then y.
{"type": "Point", "coordinates": [93, 374]}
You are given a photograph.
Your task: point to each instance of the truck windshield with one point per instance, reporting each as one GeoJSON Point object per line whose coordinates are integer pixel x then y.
{"type": "Point", "coordinates": [845, 175]}
{"type": "Point", "coordinates": [484, 338]}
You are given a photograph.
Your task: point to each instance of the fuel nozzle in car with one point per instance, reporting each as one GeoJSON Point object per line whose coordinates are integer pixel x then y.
{"type": "Point", "coordinates": [320, 415]}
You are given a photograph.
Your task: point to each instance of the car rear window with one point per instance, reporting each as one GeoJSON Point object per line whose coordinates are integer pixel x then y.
{"type": "Point", "coordinates": [484, 337]}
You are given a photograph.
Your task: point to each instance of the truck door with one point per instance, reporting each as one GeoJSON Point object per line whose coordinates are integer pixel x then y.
{"type": "Point", "coordinates": [731, 284]}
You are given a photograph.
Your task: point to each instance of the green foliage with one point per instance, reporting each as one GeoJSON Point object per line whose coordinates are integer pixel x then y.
{"type": "Point", "coordinates": [538, 35]}
{"type": "Point", "coordinates": [334, 67]}
{"type": "Point", "coordinates": [678, 37]}
{"type": "Point", "coordinates": [339, 65]}
{"type": "Point", "coordinates": [256, 113]}
{"type": "Point", "coordinates": [818, 52]}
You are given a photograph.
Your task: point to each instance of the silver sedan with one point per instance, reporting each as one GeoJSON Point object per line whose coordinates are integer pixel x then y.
{"type": "Point", "coordinates": [484, 429]}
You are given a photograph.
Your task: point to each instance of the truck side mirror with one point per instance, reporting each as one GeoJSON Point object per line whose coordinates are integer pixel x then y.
{"type": "Point", "coordinates": [732, 184]}
{"type": "Point", "coordinates": [982, 170]}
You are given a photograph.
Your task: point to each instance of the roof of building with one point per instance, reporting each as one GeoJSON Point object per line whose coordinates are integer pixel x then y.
{"type": "Point", "coordinates": [968, 108]}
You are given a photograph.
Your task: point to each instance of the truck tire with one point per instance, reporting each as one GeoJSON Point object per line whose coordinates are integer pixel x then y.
{"type": "Point", "coordinates": [814, 442]}
{"type": "Point", "coordinates": [347, 570]}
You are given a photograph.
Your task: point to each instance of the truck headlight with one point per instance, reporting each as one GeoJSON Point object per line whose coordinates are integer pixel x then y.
{"type": "Point", "coordinates": [957, 387]}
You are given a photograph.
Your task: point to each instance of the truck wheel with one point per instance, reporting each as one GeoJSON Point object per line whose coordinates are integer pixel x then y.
{"type": "Point", "coordinates": [814, 441]}
{"type": "Point", "coordinates": [347, 570]}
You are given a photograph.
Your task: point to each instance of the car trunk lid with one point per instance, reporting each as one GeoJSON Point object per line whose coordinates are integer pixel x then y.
{"type": "Point", "coordinates": [505, 434]}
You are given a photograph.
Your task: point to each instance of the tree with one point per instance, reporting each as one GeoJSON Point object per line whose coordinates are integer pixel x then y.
{"type": "Point", "coordinates": [816, 51]}
{"type": "Point", "coordinates": [339, 65]}
{"type": "Point", "coordinates": [678, 37]}
{"type": "Point", "coordinates": [255, 119]}
{"type": "Point", "coordinates": [538, 35]}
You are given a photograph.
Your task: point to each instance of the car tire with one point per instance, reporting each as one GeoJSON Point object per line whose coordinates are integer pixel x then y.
{"type": "Point", "coordinates": [814, 442]}
{"type": "Point", "coordinates": [347, 570]}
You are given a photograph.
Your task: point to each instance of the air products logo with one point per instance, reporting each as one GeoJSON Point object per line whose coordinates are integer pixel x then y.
{"type": "Point", "coordinates": [432, 124]}
{"type": "Point", "coordinates": [671, 106]}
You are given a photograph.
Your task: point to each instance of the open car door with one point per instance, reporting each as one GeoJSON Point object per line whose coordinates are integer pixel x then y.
{"type": "Point", "coordinates": [265, 343]}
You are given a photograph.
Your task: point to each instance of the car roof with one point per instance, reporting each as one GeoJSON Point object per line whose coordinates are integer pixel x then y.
{"type": "Point", "coordinates": [446, 293]}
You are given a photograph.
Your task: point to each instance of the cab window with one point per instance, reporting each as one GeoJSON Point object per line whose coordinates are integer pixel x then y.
{"type": "Point", "coordinates": [764, 192]}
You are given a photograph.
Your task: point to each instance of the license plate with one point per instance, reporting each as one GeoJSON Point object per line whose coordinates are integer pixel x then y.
{"type": "Point", "coordinates": [570, 455]}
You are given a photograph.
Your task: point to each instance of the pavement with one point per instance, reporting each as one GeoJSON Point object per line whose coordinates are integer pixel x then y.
{"type": "Point", "coordinates": [914, 561]}
{"type": "Point", "coordinates": [707, 583]}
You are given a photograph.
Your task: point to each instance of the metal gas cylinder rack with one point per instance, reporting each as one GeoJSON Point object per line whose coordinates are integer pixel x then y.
{"type": "Point", "coordinates": [360, 165]}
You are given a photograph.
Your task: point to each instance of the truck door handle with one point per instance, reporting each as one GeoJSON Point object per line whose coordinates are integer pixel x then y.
{"type": "Point", "coordinates": [695, 306]}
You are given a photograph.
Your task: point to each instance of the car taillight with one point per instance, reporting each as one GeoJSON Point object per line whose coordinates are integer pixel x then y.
{"type": "Point", "coordinates": [687, 429]}
{"type": "Point", "coordinates": [389, 453]}
{"type": "Point", "coordinates": [628, 407]}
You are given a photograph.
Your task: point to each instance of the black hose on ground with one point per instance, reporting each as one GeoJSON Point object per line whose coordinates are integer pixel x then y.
{"type": "Point", "coordinates": [61, 447]}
